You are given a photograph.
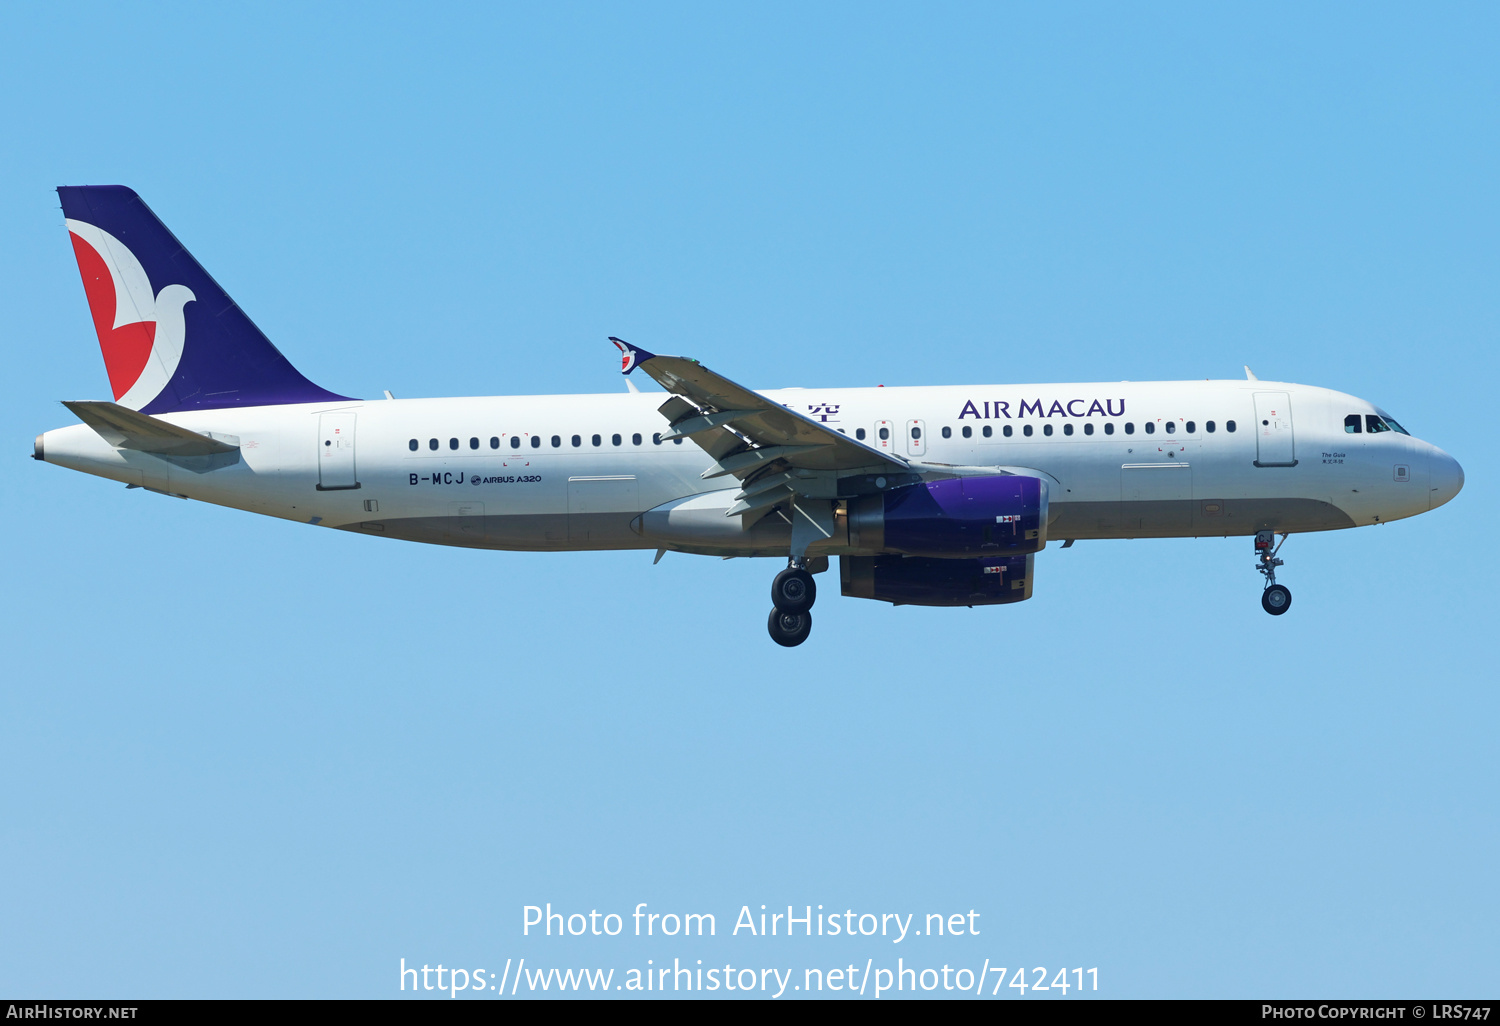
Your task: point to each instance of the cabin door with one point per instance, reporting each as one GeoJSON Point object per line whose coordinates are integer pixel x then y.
{"type": "Point", "coordinates": [336, 452]}
{"type": "Point", "coordinates": [1275, 445]}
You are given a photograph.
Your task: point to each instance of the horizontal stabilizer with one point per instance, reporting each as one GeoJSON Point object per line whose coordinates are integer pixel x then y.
{"type": "Point", "coordinates": [125, 428]}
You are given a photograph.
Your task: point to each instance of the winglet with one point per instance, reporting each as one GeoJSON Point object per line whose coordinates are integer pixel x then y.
{"type": "Point", "coordinates": [1250, 375]}
{"type": "Point", "coordinates": [631, 356]}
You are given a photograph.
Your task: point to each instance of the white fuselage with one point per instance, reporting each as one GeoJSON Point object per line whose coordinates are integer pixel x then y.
{"type": "Point", "coordinates": [505, 472]}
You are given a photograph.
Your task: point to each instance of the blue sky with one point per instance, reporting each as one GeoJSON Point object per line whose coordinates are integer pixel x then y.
{"type": "Point", "coordinates": [249, 758]}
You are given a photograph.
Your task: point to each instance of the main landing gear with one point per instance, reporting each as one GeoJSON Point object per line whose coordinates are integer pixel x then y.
{"type": "Point", "coordinates": [792, 593]}
{"type": "Point", "coordinates": [1276, 598]}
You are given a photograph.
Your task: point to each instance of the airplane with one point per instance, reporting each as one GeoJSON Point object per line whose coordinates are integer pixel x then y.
{"type": "Point", "coordinates": [936, 496]}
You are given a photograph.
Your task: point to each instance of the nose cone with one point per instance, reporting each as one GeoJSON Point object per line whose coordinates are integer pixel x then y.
{"type": "Point", "coordinates": [1445, 478]}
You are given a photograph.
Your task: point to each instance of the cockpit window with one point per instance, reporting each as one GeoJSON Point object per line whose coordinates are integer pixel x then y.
{"type": "Point", "coordinates": [1351, 423]}
{"type": "Point", "coordinates": [1374, 424]}
{"type": "Point", "coordinates": [1396, 427]}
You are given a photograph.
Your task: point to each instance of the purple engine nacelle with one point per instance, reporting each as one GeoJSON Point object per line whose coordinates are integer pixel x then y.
{"type": "Point", "coordinates": [919, 581]}
{"type": "Point", "coordinates": [966, 516]}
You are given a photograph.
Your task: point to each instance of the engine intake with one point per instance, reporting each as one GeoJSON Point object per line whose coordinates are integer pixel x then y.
{"type": "Point", "coordinates": [966, 516]}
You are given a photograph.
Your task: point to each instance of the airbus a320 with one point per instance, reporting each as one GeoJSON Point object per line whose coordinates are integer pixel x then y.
{"type": "Point", "coordinates": [936, 496]}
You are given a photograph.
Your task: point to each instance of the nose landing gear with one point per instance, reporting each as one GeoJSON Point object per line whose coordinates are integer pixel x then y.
{"type": "Point", "coordinates": [792, 593]}
{"type": "Point", "coordinates": [1276, 598]}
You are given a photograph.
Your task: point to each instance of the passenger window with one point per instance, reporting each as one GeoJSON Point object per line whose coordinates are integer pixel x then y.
{"type": "Point", "coordinates": [596, 439]}
{"type": "Point", "coordinates": [536, 441]}
{"type": "Point", "coordinates": [1067, 429]}
{"type": "Point", "coordinates": [614, 439]}
{"type": "Point", "coordinates": [1047, 430]}
{"type": "Point", "coordinates": [1026, 431]}
{"type": "Point", "coordinates": [1109, 429]}
{"type": "Point", "coordinates": [556, 441]}
{"type": "Point", "coordinates": [577, 441]}
{"type": "Point", "coordinates": [515, 441]}
{"type": "Point", "coordinates": [432, 444]}
{"type": "Point", "coordinates": [947, 432]}
{"type": "Point", "coordinates": [453, 443]}
{"type": "Point", "coordinates": [1088, 429]}
{"type": "Point", "coordinates": [677, 441]}
{"type": "Point", "coordinates": [968, 431]}
{"type": "Point", "coordinates": [1229, 426]}
{"type": "Point", "coordinates": [1008, 431]}
{"type": "Point", "coordinates": [494, 442]}
{"type": "Point", "coordinates": [1171, 427]}
{"type": "Point", "coordinates": [1150, 428]}
{"type": "Point", "coordinates": [1129, 428]}
{"type": "Point", "coordinates": [1191, 427]}
{"type": "Point", "coordinates": [1210, 427]}
{"type": "Point", "coordinates": [1374, 425]}
{"type": "Point", "coordinates": [473, 443]}
{"type": "Point", "coordinates": [885, 434]}
{"type": "Point", "coordinates": [1351, 424]}
{"type": "Point", "coordinates": [412, 445]}
{"type": "Point", "coordinates": [635, 439]}
{"type": "Point", "coordinates": [859, 433]}
{"type": "Point", "coordinates": [656, 438]}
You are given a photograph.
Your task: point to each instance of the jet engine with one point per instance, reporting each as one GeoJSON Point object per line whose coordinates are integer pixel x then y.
{"type": "Point", "coordinates": [919, 581]}
{"type": "Point", "coordinates": [966, 516]}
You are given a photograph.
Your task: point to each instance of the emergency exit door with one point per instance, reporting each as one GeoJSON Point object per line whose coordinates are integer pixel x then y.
{"type": "Point", "coordinates": [916, 438]}
{"type": "Point", "coordinates": [1275, 445]}
{"type": "Point", "coordinates": [336, 468]}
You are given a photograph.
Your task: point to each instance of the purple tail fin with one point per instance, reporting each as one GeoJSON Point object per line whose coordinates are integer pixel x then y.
{"type": "Point", "coordinates": [172, 338]}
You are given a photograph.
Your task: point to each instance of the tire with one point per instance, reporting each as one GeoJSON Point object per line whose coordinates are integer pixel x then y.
{"type": "Point", "coordinates": [789, 629]}
{"type": "Point", "coordinates": [793, 591]}
{"type": "Point", "coordinates": [1276, 600]}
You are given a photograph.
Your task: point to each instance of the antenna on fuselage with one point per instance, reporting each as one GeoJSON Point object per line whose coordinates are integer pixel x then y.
{"type": "Point", "coordinates": [1250, 374]}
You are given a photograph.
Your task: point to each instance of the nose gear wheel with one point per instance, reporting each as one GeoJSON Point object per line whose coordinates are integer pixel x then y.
{"type": "Point", "coordinates": [1275, 598]}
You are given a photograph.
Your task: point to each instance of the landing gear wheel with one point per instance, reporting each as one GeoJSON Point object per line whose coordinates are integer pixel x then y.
{"type": "Point", "coordinates": [793, 590]}
{"type": "Point", "coordinates": [789, 629]}
{"type": "Point", "coordinates": [1276, 599]}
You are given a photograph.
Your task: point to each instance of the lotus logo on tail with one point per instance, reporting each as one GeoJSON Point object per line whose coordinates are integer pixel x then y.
{"type": "Point", "coordinates": [140, 331]}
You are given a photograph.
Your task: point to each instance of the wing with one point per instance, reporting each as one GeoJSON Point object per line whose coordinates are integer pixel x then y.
{"type": "Point", "coordinates": [782, 459]}
{"type": "Point", "coordinates": [747, 433]}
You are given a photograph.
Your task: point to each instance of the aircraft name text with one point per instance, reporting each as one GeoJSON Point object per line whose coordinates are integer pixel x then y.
{"type": "Point", "coordinates": [460, 477]}
{"type": "Point", "coordinates": [1001, 409]}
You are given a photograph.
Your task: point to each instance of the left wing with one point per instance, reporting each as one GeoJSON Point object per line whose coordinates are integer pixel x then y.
{"type": "Point", "coordinates": [744, 431]}
{"type": "Point", "coordinates": [782, 459]}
